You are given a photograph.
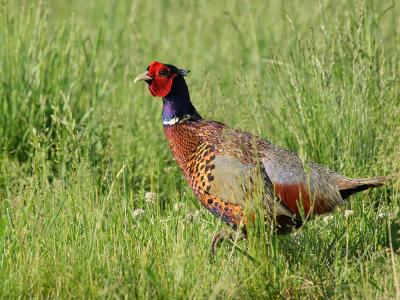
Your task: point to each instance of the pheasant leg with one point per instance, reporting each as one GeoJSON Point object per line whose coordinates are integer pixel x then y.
{"type": "Point", "coordinates": [224, 234]}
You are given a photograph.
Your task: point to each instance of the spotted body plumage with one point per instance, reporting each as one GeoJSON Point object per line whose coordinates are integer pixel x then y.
{"type": "Point", "coordinates": [195, 155]}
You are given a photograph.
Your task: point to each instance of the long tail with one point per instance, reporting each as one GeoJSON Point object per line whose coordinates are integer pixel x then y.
{"type": "Point", "coordinates": [349, 187]}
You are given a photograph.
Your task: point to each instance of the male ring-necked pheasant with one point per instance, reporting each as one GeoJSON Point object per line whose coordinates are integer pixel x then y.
{"type": "Point", "coordinates": [227, 168]}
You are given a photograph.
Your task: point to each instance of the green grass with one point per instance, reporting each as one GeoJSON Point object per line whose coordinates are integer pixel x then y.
{"type": "Point", "coordinates": [80, 146]}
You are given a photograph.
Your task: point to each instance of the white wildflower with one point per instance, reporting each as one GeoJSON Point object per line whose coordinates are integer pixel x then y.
{"type": "Point", "coordinates": [193, 216]}
{"type": "Point", "coordinates": [389, 215]}
{"type": "Point", "coordinates": [327, 218]}
{"type": "Point", "coordinates": [348, 213]}
{"type": "Point", "coordinates": [297, 233]}
{"type": "Point", "coordinates": [178, 206]}
{"type": "Point", "coordinates": [137, 212]}
{"type": "Point", "coordinates": [150, 197]}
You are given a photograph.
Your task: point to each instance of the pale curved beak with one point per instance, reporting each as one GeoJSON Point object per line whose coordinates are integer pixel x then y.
{"type": "Point", "coordinates": [141, 77]}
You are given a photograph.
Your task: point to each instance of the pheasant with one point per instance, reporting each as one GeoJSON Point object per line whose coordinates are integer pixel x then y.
{"type": "Point", "coordinates": [227, 168]}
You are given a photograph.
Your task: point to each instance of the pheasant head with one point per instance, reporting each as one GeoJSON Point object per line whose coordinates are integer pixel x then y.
{"type": "Point", "coordinates": [167, 81]}
{"type": "Point", "coordinates": [161, 78]}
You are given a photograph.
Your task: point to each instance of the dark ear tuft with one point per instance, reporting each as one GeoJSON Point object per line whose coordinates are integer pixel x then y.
{"type": "Point", "coordinates": [183, 72]}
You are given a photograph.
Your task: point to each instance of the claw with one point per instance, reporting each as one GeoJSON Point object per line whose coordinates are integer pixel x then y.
{"type": "Point", "coordinates": [218, 239]}
{"type": "Point", "coordinates": [225, 234]}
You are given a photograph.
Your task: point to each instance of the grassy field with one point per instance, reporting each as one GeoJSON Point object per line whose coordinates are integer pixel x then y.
{"type": "Point", "coordinates": [81, 147]}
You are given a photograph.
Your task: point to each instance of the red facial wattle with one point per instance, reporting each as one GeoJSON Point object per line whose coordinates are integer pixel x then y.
{"type": "Point", "coordinates": [160, 86]}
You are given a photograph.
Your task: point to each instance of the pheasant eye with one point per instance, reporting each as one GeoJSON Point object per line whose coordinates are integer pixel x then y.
{"type": "Point", "coordinates": [163, 73]}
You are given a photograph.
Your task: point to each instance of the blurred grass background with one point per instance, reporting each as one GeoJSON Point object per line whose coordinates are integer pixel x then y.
{"type": "Point", "coordinates": [80, 146]}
